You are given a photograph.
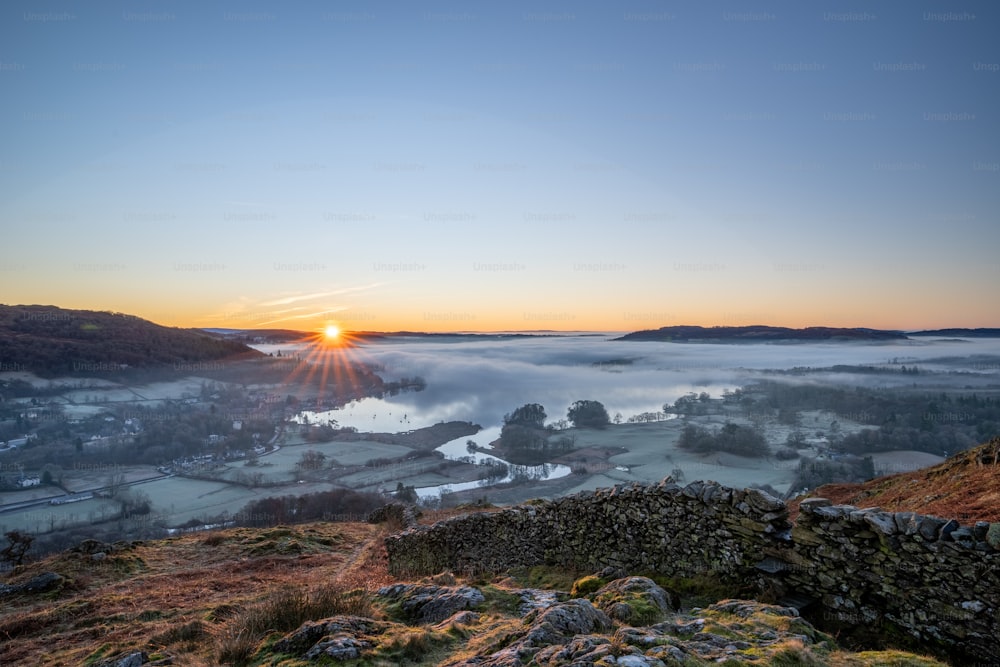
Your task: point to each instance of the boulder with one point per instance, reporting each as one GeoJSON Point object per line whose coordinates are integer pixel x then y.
{"type": "Point", "coordinates": [993, 536]}
{"type": "Point", "coordinates": [340, 647]}
{"type": "Point", "coordinates": [130, 659]}
{"type": "Point", "coordinates": [310, 634]}
{"type": "Point", "coordinates": [423, 603]}
{"type": "Point", "coordinates": [636, 600]}
{"type": "Point", "coordinates": [40, 583]}
{"type": "Point", "coordinates": [557, 623]}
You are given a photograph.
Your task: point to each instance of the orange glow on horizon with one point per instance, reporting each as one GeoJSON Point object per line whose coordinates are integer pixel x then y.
{"type": "Point", "coordinates": [831, 312]}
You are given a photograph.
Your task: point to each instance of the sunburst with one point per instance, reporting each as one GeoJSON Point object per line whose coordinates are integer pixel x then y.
{"type": "Point", "coordinates": [329, 364]}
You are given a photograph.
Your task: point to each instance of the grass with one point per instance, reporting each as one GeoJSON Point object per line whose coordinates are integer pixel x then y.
{"type": "Point", "coordinates": [282, 611]}
{"type": "Point", "coordinates": [586, 585]}
{"type": "Point", "coordinates": [551, 577]}
{"type": "Point", "coordinates": [699, 590]}
{"type": "Point", "coordinates": [206, 599]}
{"type": "Point", "coordinates": [176, 596]}
{"type": "Point", "coordinates": [411, 645]}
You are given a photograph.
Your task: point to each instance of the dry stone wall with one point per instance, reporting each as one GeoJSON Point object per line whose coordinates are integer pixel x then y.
{"type": "Point", "coordinates": [662, 528]}
{"type": "Point", "coordinates": [930, 577]}
{"type": "Point", "coordinates": [926, 577]}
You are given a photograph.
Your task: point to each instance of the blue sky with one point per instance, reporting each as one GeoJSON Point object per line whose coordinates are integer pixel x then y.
{"type": "Point", "coordinates": [584, 165]}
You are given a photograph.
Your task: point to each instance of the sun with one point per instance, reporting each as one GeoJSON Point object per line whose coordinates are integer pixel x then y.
{"type": "Point", "coordinates": [331, 333]}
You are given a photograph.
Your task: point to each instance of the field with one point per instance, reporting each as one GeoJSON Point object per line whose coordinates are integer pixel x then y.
{"type": "Point", "coordinates": [45, 518]}
{"type": "Point", "coordinates": [647, 452]}
{"type": "Point", "coordinates": [85, 478]}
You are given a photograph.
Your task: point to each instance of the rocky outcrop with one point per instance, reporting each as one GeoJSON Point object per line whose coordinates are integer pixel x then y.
{"type": "Point", "coordinates": [428, 603]}
{"type": "Point", "coordinates": [577, 633]}
{"type": "Point", "coordinates": [926, 577]}
{"type": "Point", "coordinates": [636, 600]}
{"type": "Point", "coordinates": [339, 637]}
{"type": "Point", "coordinates": [40, 583]}
{"type": "Point", "coordinates": [571, 632]}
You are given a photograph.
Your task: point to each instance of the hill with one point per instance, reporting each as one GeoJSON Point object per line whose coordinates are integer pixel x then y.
{"type": "Point", "coordinates": [52, 342]}
{"type": "Point", "coordinates": [965, 487]}
{"type": "Point", "coordinates": [760, 334]}
{"type": "Point", "coordinates": [261, 335]}
{"type": "Point", "coordinates": [321, 594]}
{"type": "Point", "coordinates": [960, 333]}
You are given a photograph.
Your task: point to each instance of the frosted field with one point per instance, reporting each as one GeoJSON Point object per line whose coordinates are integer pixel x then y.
{"type": "Point", "coordinates": [181, 499]}
{"type": "Point", "coordinates": [43, 518]}
{"type": "Point", "coordinates": [87, 477]}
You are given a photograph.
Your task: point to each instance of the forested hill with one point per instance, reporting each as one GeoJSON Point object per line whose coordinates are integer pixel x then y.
{"type": "Point", "coordinates": [49, 342]}
{"type": "Point", "coordinates": [761, 334]}
{"type": "Point", "coordinates": [960, 333]}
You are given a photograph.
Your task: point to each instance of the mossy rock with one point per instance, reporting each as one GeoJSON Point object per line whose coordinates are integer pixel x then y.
{"type": "Point", "coordinates": [636, 601]}
{"type": "Point", "coordinates": [587, 585]}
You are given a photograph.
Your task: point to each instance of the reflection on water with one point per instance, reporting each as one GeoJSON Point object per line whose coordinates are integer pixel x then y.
{"type": "Point", "coordinates": [383, 416]}
{"type": "Point", "coordinates": [458, 449]}
{"type": "Point", "coordinates": [369, 415]}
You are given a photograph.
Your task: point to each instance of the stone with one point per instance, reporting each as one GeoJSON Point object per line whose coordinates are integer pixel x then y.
{"type": "Point", "coordinates": [310, 633]}
{"type": "Point", "coordinates": [636, 600]}
{"type": "Point", "coordinates": [928, 527]}
{"type": "Point", "coordinates": [975, 606]}
{"type": "Point", "coordinates": [833, 512]}
{"type": "Point", "coordinates": [637, 661]}
{"type": "Point", "coordinates": [693, 490]}
{"type": "Point", "coordinates": [947, 529]}
{"type": "Point", "coordinates": [906, 522]}
{"type": "Point", "coordinates": [963, 536]}
{"type": "Point", "coordinates": [136, 659]}
{"type": "Point", "coordinates": [431, 604]}
{"type": "Point", "coordinates": [133, 659]}
{"type": "Point", "coordinates": [575, 617]}
{"type": "Point", "coordinates": [763, 502]}
{"type": "Point", "coordinates": [979, 530]}
{"type": "Point", "coordinates": [342, 647]}
{"type": "Point", "coordinates": [882, 523]}
{"type": "Point", "coordinates": [993, 536]}
{"type": "Point", "coordinates": [810, 504]}
{"type": "Point", "coordinates": [42, 583]}
{"type": "Point", "coordinates": [747, 608]}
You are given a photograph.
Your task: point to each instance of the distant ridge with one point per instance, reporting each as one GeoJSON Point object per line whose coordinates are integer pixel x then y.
{"type": "Point", "coordinates": [50, 342]}
{"type": "Point", "coordinates": [760, 333]}
{"type": "Point", "coordinates": [960, 333]}
{"type": "Point", "coordinates": [260, 335]}
{"type": "Point", "coordinates": [292, 336]}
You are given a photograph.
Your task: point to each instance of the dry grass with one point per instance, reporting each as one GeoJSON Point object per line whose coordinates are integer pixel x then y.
{"type": "Point", "coordinates": [961, 488]}
{"type": "Point", "coordinates": [282, 611]}
{"type": "Point", "coordinates": [169, 597]}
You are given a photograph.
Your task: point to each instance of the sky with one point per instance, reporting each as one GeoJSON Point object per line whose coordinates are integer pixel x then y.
{"type": "Point", "coordinates": [483, 166]}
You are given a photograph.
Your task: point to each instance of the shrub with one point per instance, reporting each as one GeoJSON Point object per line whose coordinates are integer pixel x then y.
{"type": "Point", "coordinates": [283, 611]}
